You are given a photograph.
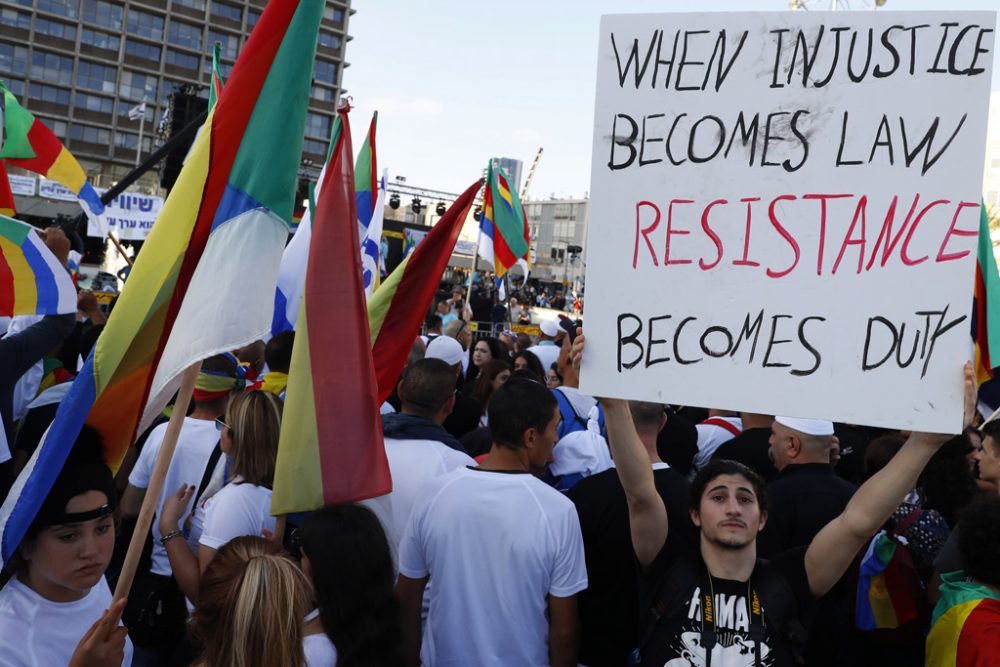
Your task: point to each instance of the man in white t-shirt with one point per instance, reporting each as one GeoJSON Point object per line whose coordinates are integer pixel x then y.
{"type": "Point", "coordinates": [503, 548]}
{"type": "Point", "coordinates": [198, 438]}
{"type": "Point", "coordinates": [417, 446]}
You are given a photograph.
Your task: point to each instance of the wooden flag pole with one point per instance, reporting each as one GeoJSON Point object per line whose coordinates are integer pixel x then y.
{"type": "Point", "coordinates": [118, 245]}
{"type": "Point", "coordinates": [155, 489]}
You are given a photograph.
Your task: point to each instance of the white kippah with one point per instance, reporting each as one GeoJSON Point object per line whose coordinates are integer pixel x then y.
{"type": "Point", "coordinates": [549, 328]}
{"type": "Point", "coordinates": [446, 349]}
{"type": "Point", "coordinates": [807, 426]}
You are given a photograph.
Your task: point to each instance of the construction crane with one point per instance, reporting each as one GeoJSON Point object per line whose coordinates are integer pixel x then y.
{"type": "Point", "coordinates": [531, 172]}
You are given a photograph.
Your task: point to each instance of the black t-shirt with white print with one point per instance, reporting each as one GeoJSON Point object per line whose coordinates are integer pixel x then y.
{"type": "Point", "coordinates": [677, 640]}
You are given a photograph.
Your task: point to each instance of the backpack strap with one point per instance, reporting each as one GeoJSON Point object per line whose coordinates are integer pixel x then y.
{"type": "Point", "coordinates": [669, 598]}
{"type": "Point", "coordinates": [566, 405]}
{"type": "Point", "coordinates": [206, 476]}
{"type": "Point", "coordinates": [780, 607]}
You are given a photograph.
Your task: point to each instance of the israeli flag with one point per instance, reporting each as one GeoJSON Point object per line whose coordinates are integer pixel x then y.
{"type": "Point", "coordinates": [370, 255]}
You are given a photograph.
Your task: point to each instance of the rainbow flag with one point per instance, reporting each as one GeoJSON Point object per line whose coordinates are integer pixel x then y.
{"type": "Point", "coordinates": [28, 144]}
{"type": "Point", "coordinates": [504, 241]}
{"type": "Point", "coordinates": [190, 295]}
{"type": "Point", "coordinates": [986, 304]}
{"type": "Point", "coordinates": [875, 606]}
{"type": "Point", "coordinates": [366, 179]}
{"type": "Point", "coordinates": [396, 310]}
{"type": "Point", "coordinates": [32, 281]}
{"type": "Point", "coordinates": [964, 626]}
{"type": "Point", "coordinates": [7, 206]}
{"type": "Point", "coordinates": [331, 448]}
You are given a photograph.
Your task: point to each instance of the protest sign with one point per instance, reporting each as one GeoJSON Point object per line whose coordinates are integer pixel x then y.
{"type": "Point", "coordinates": [784, 212]}
{"type": "Point", "coordinates": [130, 216]}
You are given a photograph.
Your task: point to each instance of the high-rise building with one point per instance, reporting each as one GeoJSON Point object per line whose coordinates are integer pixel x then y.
{"type": "Point", "coordinates": [513, 168]}
{"type": "Point", "coordinates": [81, 65]}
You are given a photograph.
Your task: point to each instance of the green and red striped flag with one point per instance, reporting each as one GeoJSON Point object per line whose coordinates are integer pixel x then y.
{"type": "Point", "coordinates": [396, 310]}
{"type": "Point", "coordinates": [331, 448]}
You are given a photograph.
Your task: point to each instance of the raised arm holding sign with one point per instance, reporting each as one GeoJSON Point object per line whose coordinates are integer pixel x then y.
{"type": "Point", "coordinates": [729, 507]}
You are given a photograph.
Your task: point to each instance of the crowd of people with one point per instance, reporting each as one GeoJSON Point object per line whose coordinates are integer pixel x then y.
{"type": "Point", "coordinates": [529, 524]}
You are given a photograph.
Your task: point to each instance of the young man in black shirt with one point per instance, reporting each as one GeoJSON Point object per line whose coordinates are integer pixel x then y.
{"type": "Point", "coordinates": [609, 607]}
{"type": "Point", "coordinates": [719, 606]}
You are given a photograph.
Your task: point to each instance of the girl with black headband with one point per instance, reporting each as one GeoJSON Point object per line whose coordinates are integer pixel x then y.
{"type": "Point", "coordinates": [55, 609]}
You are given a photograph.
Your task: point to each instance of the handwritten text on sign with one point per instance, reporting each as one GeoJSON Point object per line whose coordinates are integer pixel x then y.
{"type": "Point", "coordinates": [784, 211]}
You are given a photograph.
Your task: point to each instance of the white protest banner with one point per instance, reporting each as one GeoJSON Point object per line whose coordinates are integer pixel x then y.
{"type": "Point", "coordinates": [130, 216]}
{"type": "Point", "coordinates": [22, 185]}
{"type": "Point", "coordinates": [54, 190]}
{"type": "Point", "coordinates": [784, 212]}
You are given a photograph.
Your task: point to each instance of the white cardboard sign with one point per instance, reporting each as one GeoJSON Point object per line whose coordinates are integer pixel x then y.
{"type": "Point", "coordinates": [784, 212]}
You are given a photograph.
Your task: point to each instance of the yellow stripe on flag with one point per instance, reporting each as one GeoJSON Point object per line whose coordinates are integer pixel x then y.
{"type": "Point", "coordinates": [381, 299]}
{"type": "Point", "coordinates": [180, 212]}
{"type": "Point", "coordinates": [942, 642]}
{"type": "Point", "coordinates": [67, 171]}
{"type": "Point", "coordinates": [298, 480]}
{"type": "Point", "coordinates": [25, 293]}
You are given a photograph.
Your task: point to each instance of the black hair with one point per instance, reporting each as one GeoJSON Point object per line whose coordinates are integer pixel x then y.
{"type": "Point", "coordinates": [979, 539]}
{"type": "Point", "coordinates": [84, 470]}
{"type": "Point", "coordinates": [497, 352]}
{"type": "Point", "coordinates": [352, 574]}
{"type": "Point", "coordinates": [517, 406]}
{"type": "Point", "coordinates": [426, 386]}
{"type": "Point", "coordinates": [719, 467]}
{"type": "Point", "coordinates": [947, 481]}
{"type": "Point", "coordinates": [880, 451]}
{"type": "Point", "coordinates": [432, 321]}
{"type": "Point", "coordinates": [484, 383]}
{"type": "Point", "coordinates": [220, 363]}
{"type": "Point", "coordinates": [534, 365]}
{"type": "Point", "coordinates": [278, 353]}
{"type": "Point", "coordinates": [991, 430]}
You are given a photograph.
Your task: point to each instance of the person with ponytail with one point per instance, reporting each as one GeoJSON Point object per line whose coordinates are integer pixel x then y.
{"type": "Point", "coordinates": [252, 601]}
{"type": "Point", "coordinates": [249, 438]}
{"type": "Point", "coordinates": [345, 554]}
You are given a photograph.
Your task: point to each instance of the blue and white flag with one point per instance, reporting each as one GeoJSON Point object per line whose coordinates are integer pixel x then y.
{"type": "Point", "coordinates": [370, 245]}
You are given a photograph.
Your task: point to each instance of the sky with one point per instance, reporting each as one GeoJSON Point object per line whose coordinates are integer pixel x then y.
{"type": "Point", "coordinates": [457, 82]}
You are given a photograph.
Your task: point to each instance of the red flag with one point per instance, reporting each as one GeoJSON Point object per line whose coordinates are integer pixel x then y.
{"type": "Point", "coordinates": [6, 196]}
{"type": "Point", "coordinates": [397, 308]}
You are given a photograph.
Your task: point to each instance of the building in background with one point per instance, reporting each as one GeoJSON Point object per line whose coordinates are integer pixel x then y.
{"type": "Point", "coordinates": [513, 168]}
{"type": "Point", "coordinates": [558, 229]}
{"type": "Point", "coordinates": [81, 65]}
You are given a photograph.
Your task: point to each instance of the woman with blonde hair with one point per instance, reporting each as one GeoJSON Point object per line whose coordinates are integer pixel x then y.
{"type": "Point", "coordinates": [252, 602]}
{"type": "Point", "coordinates": [249, 437]}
